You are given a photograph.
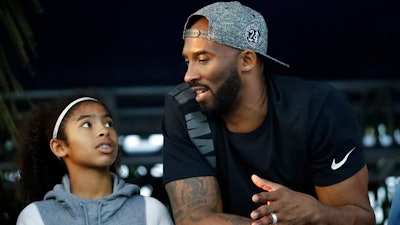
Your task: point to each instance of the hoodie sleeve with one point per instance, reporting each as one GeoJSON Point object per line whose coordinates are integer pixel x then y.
{"type": "Point", "coordinates": [155, 207]}
{"type": "Point", "coordinates": [30, 216]}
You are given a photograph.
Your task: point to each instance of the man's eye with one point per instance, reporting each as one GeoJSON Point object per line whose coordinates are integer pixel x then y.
{"type": "Point", "coordinates": [203, 60]}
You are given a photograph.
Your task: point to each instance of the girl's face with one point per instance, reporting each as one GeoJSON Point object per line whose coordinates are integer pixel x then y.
{"type": "Point", "coordinates": [92, 138]}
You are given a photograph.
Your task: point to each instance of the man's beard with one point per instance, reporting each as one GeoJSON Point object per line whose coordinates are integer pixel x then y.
{"type": "Point", "coordinates": [225, 98]}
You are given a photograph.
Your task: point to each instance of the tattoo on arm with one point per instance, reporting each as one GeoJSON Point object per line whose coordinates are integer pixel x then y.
{"type": "Point", "coordinates": [197, 197]}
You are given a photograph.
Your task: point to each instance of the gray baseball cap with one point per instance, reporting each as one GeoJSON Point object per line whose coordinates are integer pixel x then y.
{"type": "Point", "coordinates": [234, 25]}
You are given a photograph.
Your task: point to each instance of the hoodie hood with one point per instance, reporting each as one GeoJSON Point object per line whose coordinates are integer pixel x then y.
{"type": "Point", "coordinates": [92, 209]}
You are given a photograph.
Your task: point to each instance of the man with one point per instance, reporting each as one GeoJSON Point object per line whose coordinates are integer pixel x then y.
{"type": "Point", "coordinates": [243, 146]}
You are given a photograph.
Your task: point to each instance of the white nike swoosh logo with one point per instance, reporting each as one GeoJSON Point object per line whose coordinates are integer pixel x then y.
{"type": "Point", "coordinates": [336, 166]}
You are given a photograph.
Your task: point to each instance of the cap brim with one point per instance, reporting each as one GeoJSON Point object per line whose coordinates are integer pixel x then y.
{"type": "Point", "coordinates": [276, 62]}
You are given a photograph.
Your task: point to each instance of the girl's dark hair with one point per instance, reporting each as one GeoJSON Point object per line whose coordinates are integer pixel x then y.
{"type": "Point", "coordinates": [39, 168]}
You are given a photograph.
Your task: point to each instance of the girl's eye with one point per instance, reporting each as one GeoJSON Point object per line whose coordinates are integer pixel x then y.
{"type": "Point", "coordinates": [86, 124]}
{"type": "Point", "coordinates": [109, 124]}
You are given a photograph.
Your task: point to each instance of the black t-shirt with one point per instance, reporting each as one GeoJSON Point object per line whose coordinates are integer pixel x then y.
{"type": "Point", "coordinates": [309, 131]}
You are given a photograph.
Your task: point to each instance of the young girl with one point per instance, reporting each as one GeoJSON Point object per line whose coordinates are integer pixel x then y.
{"type": "Point", "coordinates": [75, 142]}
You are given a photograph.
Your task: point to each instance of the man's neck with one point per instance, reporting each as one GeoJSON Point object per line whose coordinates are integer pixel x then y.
{"type": "Point", "coordinates": [251, 112]}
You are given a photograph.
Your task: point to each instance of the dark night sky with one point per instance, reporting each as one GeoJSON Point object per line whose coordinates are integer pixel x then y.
{"type": "Point", "coordinates": [128, 43]}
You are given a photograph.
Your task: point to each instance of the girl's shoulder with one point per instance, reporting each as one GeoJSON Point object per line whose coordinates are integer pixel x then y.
{"type": "Point", "coordinates": [30, 215]}
{"type": "Point", "coordinates": [156, 207]}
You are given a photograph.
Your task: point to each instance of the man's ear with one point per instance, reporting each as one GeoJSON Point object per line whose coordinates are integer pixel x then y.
{"type": "Point", "coordinates": [58, 147]}
{"type": "Point", "coordinates": [248, 60]}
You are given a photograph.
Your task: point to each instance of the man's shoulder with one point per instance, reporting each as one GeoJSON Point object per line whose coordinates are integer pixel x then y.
{"type": "Point", "coordinates": [296, 85]}
{"type": "Point", "coordinates": [181, 99]}
{"type": "Point", "coordinates": [180, 88]}
{"type": "Point", "coordinates": [182, 93]}
{"type": "Point", "coordinates": [295, 80]}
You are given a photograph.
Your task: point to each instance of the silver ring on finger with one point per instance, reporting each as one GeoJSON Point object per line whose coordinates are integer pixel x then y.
{"type": "Point", "coordinates": [274, 218]}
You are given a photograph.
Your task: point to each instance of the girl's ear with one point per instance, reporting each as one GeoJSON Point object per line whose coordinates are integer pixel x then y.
{"type": "Point", "coordinates": [58, 147]}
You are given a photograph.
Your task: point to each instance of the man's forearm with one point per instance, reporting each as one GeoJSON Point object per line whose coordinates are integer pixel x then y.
{"type": "Point", "coordinates": [350, 214]}
{"type": "Point", "coordinates": [213, 219]}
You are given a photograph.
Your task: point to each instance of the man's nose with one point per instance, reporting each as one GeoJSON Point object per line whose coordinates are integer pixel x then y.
{"type": "Point", "coordinates": [191, 74]}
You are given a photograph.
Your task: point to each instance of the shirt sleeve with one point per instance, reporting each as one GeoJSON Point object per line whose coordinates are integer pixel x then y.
{"type": "Point", "coordinates": [30, 216]}
{"type": "Point", "coordinates": [334, 136]}
{"type": "Point", "coordinates": [181, 158]}
{"type": "Point", "coordinates": [156, 212]}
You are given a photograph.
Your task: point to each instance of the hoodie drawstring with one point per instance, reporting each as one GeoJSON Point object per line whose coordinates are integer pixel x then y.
{"type": "Point", "coordinates": [86, 213]}
{"type": "Point", "coordinates": [99, 213]}
{"type": "Point", "coordinates": [87, 216]}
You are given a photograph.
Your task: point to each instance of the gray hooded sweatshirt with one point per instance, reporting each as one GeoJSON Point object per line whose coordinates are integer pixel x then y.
{"type": "Point", "coordinates": [124, 206]}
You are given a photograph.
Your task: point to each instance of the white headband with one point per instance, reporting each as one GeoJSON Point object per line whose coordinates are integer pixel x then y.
{"type": "Point", "coordinates": [61, 116]}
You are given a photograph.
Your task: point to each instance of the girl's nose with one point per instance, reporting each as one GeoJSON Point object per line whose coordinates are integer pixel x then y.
{"type": "Point", "coordinates": [104, 131]}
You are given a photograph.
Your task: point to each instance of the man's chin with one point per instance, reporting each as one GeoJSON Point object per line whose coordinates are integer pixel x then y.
{"type": "Point", "coordinates": [204, 107]}
{"type": "Point", "coordinates": [208, 111]}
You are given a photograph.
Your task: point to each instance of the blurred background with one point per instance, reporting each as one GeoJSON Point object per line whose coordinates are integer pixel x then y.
{"type": "Point", "coordinates": [131, 52]}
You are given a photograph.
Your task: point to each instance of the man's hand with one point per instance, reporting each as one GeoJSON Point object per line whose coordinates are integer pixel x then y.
{"type": "Point", "coordinates": [290, 207]}
{"type": "Point", "coordinates": [345, 202]}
